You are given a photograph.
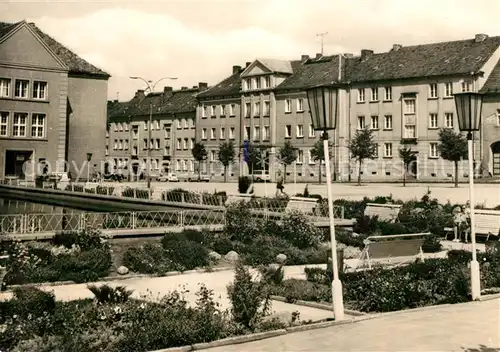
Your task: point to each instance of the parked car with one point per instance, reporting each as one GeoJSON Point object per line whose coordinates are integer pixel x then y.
{"type": "Point", "coordinates": [113, 177]}
{"type": "Point", "coordinates": [170, 177]}
{"type": "Point", "coordinates": [203, 177]}
{"type": "Point", "coordinates": [261, 176]}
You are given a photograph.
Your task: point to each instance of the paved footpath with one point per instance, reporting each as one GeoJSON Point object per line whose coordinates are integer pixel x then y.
{"type": "Point", "coordinates": [460, 327]}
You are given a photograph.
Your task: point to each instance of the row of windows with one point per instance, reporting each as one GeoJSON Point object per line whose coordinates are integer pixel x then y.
{"type": "Point", "coordinates": [155, 125]}
{"type": "Point", "coordinates": [222, 133]}
{"type": "Point", "coordinates": [23, 89]}
{"type": "Point", "coordinates": [433, 121]}
{"type": "Point", "coordinates": [433, 91]}
{"type": "Point", "coordinates": [260, 82]}
{"type": "Point", "coordinates": [18, 124]}
{"type": "Point", "coordinates": [223, 110]}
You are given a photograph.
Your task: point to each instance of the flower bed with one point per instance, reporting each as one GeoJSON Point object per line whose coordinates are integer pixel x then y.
{"type": "Point", "coordinates": [436, 281]}
{"type": "Point", "coordinates": [33, 321]}
{"type": "Point", "coordinates": [72, 256]}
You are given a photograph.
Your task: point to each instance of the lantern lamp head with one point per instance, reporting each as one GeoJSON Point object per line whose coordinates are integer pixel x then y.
{"type": "Point", "coordinates": [469, 109]}
{"type": "Point", "coordinates": [323, 101]}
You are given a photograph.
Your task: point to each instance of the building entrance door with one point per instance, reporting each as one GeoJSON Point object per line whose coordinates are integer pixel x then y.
{"type": "Point", "coordinates": [14, 162]}
{"type": "Point", "coordinates": [495, 151]}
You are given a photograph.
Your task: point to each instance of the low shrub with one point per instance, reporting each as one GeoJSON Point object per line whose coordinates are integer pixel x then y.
{"type": "Point", "coordinates": [149, 258]}
{"type": "Point", "coordinates": [244, 183]}
{"type": "Point", "coordinates": [135, 193]}
{"type": "Point", "coordinates": [294, 289]}
{"type": "Point", "coordinates": [105, 190]}
{"type": "Point", "coordinates": [186, 255]}
{"type": "Point", "coordinates": [74, 188]}
{"type": "Point", "coordinates": [105, 294]}
{"type": "Point", "coordinates": [273, 275]}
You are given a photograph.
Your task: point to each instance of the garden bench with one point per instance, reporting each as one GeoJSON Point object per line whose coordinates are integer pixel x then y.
{"type": "Point", "coordinates": [91, 186]}
{"type": "Point", "coordinates": [487, 223]}
{"type": "Point", "coordinates": [391, 249]}
{"type": "Point", "coordinates": [384, 212]}
{"type": "Point", "coordinates": [303, 205]}
{"type": "Point", "coordinates": [236, 198]}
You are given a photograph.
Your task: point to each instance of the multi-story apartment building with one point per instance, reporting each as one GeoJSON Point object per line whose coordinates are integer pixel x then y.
{"type": "Point", "coordinates": [172, 132]}
{"type": "Point", "coordinates": [405, 96]}
{"type": "Point", "coordinates": [52, 105]}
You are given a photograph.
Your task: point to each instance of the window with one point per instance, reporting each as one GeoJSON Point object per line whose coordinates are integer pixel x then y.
{"type": "Point", "coordinates": [135, 132]}
{"type": "Point", "coordinates": [179, 142]}
{"type": "Point", "coordinates": [374, 94]}
{"type": "Point", "coordinates": [361, 122]}
{"type": "Point", "coordinates": [232, 108]}
{"type": "Point", "coordinates": [146, 125]}
{"type": "Point", "coordinates": [288, 105]}
{"type": "Point", "coordinates": [448, 120]}
{"type": "Point", "coordinates": [409, 105]}
{"type": "Point", "coordinates": [191, 165]}
{"type": "Point", "coordinates": [433, 90]}
{"type": "Point", "coordinates": [267, 82]}
{"type": "Point", "coordinates": [288, 131]}
{"type": "Point", "coordinates": [388, 150]}
{"type": "Point", "coordinates": [4, 123]}
{"type": "Point", "coordinates": [212, 110]}
{"type": "Point", "coordinates": [212, 133]}
{"type": "Point", "coordinates": [248, 107]}
{"type": "Point", "coordinates": [300, 156]}
{"type": "Point", "coordinates": [125, 144]}
{"type": "Point", "coordinates": [203, 133]}
{"type": "Point", "coordinates": [387, 93]}
{"type": "Point", "coordinates": [21, 88]}
{"type": "Point", "coordinates": [361, 95]}
{"type": "Point", "coordinates": [310, 157]}
{"type": "Point", "coordinates": [247, 132]}
{"type": "Point", "coordinates": [448, 90]}
{"type": "Point", "coordinates": [191, 123]}
{"type": "Point", "coordinates": [249, 83]}
{"type": "Point", "coordinates": [433, 121]}
{"type": "Point", "coordinates": [376, 150]}
{"type": "Point", "coordinates": [498, 117]}
{"type": "Point", "coordinates": [267, 108]}
{"type": "Point", "coordinates": [106, 150]}
{"type": "Point", "coordinates": [185, 144]}
{"type": "Point", "coordinates": [19, 125]}
{"type": "Point", "coordinates": [256, 133]}
{"type": "Point", "coordinates": [157, 144]}
{"type": "Point", "coordinates": [39, 90]}
{"type": "Point", "coordinates": [388, 122]}
{"type": "Point", "coordinates": [154, 164]}
{"type": "Point", "coordinates": [312, 133]}
{"type": "Point", "coordinates": [125, 126]}
{"type": "Point", "coordinates": [191, 143]}
{"type": "Point", "coordinates": [177, 165]}
{"type": "Point", "coordinates": [300, 105]}
{"type": "Point", "coordinates": [231, 133]}
{"type": "Point", "coordinates": [144, 143]}
{"type": "Point", "coordinates": [120, 144]}
{"type": "Point", "coordinates": [166, 152]}
{"type": "Point", "coordinates": [300, 131]}
{"type": "Point", "coordinates": [222, 110]}
{"type": "Point", "coordinates": [119, 127]}
{"type": "Point", "coordinates": [256, 109]}
{"type": "Point", "coordinates": [410, 131]}
{"type": "Point", "coordinates": [115, 144]}
{"type": "Point", "coordinates": [167, 133]}
{"type": "Point", "coordinates": [38, 125]}
{"type": "Point", "coordinates": [265, 133]}
{"type": "Point", "coordinates": [213, 155]}
{"type": "Point", "coordinates": [374, 124]}
{"type": "Point", "coordinates": [184, 122]}
{"type": "Point", "coordinates": [466, 86]}
{"type": "Point", "coordinates": [222, 133]}
{"type": "Point", "coordinates": [204, 111]}
{"type": "Point", "coordinates": [433, 150]}
{"type": "Point", "coordinates": [257, 83]}
{"type": "Point", "coordinates": [4, 87]}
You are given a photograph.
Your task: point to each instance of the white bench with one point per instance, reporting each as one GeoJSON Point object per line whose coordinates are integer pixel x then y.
{"type": "Point", "coordinates": [384, 212]}
{"type": "Point", "coordinates": [391, 250]}
{"type": "Point", "coordinates": [236, 198]}
{"type": "Point", "coordinates": [487, 223]}
{"type": "Point", "coordinates": [303, 205]}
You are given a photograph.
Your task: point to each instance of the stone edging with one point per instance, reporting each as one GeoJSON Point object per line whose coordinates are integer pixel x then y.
{"type": "Point", "coordinates": [317, 305]}
{"type": "Point", "coordinates": [122, 277]}
{"type": "Point", "coordinates": [261, 335]}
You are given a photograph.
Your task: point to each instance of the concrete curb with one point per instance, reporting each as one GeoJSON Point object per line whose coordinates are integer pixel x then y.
{"type": "Point", "coordinates": [317, 305]}
{"type": "Point", "coordinates": [122, 277]}
{"type": "Point", "coordinates": [489, 297]}
{"type": "Point", "coordinates": [238, 339]}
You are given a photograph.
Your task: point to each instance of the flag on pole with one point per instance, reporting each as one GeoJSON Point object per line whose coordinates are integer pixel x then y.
{"type": "Point", "coordinates": [246, 147]}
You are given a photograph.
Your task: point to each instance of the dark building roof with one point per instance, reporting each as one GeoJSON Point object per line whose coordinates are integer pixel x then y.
{"type": "Point", "coordinates": [492, 84]}
{"type": "Point", "coordinates": [75, 64]}
{"type": "Point", "coordinates": [164, 103]}
{"type": "Point", "coordinates": [228, 87]}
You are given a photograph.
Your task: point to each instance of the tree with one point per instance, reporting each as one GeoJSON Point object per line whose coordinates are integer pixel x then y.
{"type": "Point", "coordinates": [286, 156]}
{"type": "Point", "coordinates": [362, 147]}
{"type": "Point", "coordinates": [452, 147]}
{"type": "Point", "coordinates": [226, 155]}
{"type": "Point", "coordinates": [199, 154]}
{"type": "Point", "coordinates": [318, 154]}
{"type": "Point", "coordinates": [406, 156]}
{"type": "Point", "coordinates": [254, 157]}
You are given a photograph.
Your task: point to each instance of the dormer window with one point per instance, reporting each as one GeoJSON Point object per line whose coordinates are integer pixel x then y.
{"type": "Point", "coordinates": [466, 86]}
{"type": "Point", "coordinates": [257, 83]}
{"type": "Point", "coordinates": [249, 84]}
{"type": "Point", "coordinates": [267, 82]}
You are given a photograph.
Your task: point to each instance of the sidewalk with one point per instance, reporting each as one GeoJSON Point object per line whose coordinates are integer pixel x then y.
{"type": "Point", "coordinates": [460, 327]}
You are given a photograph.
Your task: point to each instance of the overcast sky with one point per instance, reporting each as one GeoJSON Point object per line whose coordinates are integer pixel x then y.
{"type": "Point", "coordinates": [199, 41]}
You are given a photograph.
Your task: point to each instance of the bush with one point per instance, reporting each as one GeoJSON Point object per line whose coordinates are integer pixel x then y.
{"type": "Point", "coordinates": [244, 183]}
{"type": "Point", "coordinates": [85, 239]}
{"type": "Point", "coordinates": [299, 231]}
{"type": "Point", "coordinates": [135, 193]}
{"type": "Point", "coordinates": [34, 301]}
{"type": "Point", "coordinates": [294, 290]}
{"type": "Point", "coordinates": [105, 190]}
{"type": "Point", "coordinates": [149, 258]}
{"type": "Point", "coordinates": [273, 275]}
{"type": "Point", "coordinates": [110, 295]}
{"type": "Point", "coordinates": [186, 255]}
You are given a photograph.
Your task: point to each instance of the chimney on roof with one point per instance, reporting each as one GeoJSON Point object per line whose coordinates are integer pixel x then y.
{"type": "Point", "coordinates": [480, 37]}
{"type": "Point", "coordinates": [396, 47]}
{"type": "Point", "coordinates": [348, 55]}
{"type": "Point", "coordinates": [184, 88]}
{"type": "Point", "coordinates": [139, 93]}
{"type": "Point", "coordinates": [202, 86]}
{"type": "Point", "coordinates": [167, 92]}
{"type": "Point", "coordinates": [304, 58]}
{"type": "Point", "coordinates": [318, 55]}
{"type": "Point", "coordinates": [236, 69]}
{"type": "Point", "coordinates": [366, 53]}
{"type": "Point", "coordinates": [247, 64]}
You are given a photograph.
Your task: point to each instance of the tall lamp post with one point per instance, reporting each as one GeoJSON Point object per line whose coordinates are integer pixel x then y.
{"type": "Point", "coordinates": [151, 88]}
{"type": "Point", "coordinates": [323, 108]}
{"type": "Point", "coordinates": [469, 106]}
{"type": "Point", "coordinates": [89, 158]}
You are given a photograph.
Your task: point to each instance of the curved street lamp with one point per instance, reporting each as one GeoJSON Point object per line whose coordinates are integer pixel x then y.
{"type": "Point", "coordinates": [469, 108]}
{"type": "Point", "coordinates": [323, 107]}
{"type": "Point", "coordinates": [151, 87]}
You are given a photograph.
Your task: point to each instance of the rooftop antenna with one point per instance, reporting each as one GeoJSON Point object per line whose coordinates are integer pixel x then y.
{"type": "Point", "coordinates": [322, 37]}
